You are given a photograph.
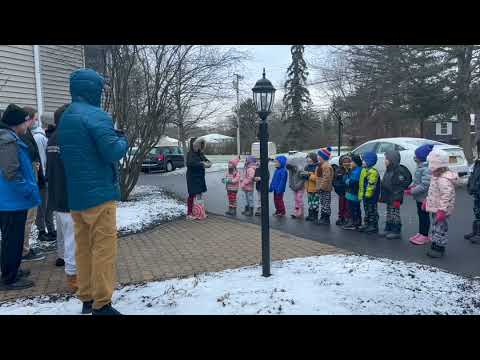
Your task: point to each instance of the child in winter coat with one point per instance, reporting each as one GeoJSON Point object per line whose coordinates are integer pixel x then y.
{"type": "Point", "coordinates": [419, 191]}
{"type": "Point", "coordinates": [258, 188]}
{"type": "Point", "coordinates": [473, 188]}
{"type": "Point", "coordinates": [395, 181]}
{"type": "Point", "coordinates": [310, 176]}
{"type": "Point", "coordinates": [247, 184]}
{"type": "Point", "coordinates": [232, 183]}
{"type": "Point", "coordinates": [339, 186]}
{"type": "Point", "coordinates": [440, 200]}
{"type": "Point", "coordinates": [369, 192]}
{"type": "Point", "coordinates": [352, 181]}
{"type": "Point", "coordinates": [296, 183]}
{"type": "Point", "coordinates": [324, 185]}
{"type": "Point", "coordinates": [278, 185]}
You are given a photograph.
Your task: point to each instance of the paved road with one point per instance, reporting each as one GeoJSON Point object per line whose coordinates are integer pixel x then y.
{"type": "Point", "coordinates": [462, 257]}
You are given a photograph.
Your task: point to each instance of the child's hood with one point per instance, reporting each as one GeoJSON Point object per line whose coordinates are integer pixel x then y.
{"type": "Point", "coordinates": [234, 162]}
{"type": "Point", "coordinates": [297, 162]}
{"type": "Point", "coordinates": [370, 158]}
{"type": "Point", "coordinates": [450, 175]}
{"type": "Point", "coordinates": [393, 157]}
{"type": "Point", "coordinates": [282, 160]}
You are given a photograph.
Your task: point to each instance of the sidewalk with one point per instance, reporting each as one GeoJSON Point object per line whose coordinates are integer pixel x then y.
{"type": "Point", "coordinates": [179, 249]}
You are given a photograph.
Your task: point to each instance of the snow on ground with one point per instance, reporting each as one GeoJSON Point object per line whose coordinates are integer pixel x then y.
{"type": "Point", "coordinates": [332, 284]}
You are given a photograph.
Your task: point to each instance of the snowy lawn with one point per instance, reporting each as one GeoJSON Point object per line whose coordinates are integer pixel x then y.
{"type": "Point", "coordinates": [148, 207]}
{"type": "Point", "coordinates": [332, 284]}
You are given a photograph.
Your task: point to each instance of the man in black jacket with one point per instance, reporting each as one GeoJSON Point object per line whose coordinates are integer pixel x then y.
{"type": "Point", "coordinates": [58, 202]}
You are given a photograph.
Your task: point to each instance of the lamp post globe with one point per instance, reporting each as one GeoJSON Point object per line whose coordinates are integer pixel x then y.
{"type": "Point", "coordinates": [263, 96]}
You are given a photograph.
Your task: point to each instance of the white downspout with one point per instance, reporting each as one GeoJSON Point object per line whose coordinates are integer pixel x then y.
{"type": "Point", "coordinates": [38, 82]}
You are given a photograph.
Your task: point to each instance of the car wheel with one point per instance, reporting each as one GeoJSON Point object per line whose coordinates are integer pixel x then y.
{"type": "Point", "coordinates": [169, 166]}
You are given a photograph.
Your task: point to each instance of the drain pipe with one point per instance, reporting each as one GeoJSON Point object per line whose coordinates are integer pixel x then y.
{"type": "Point", "coordinates": [38, 82]}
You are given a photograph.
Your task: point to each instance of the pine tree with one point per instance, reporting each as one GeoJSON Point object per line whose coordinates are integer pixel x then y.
{"type": "Point", "coordinates": [297, 98]}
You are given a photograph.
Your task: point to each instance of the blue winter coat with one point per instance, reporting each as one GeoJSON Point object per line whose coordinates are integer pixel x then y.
{"type": "Point", "coordinates": [21, 191]}
{"type": "Point", "coordinates": [352, 179]}
{"type": "Point", "coordinates": [90, 146]}
{"type": "Point", "coordinates": [280, 177]}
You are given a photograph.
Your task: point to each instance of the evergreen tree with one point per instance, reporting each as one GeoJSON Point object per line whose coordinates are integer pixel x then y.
{"type": "Point", "coordinates": [296, 99]}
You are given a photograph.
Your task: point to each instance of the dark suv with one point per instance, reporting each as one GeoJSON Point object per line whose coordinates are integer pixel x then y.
{"type": "Point", "coordinates": [166, 158]}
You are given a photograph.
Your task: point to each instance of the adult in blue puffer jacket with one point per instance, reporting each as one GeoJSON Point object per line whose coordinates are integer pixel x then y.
{"type": "Point", "coordinates": [279, 184]}
{"type": "Point", "coordinates": [90, 150]}
{"type": "Point", "coordinates": [18, 193]}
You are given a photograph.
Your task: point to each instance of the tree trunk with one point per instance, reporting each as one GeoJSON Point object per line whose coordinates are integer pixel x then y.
{"type": "Point", "coordinates": [464, 58]}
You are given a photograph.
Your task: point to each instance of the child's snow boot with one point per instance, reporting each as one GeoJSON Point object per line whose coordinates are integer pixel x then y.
{"type": "Point", "coordinates": [436, 251]}
{"type": "Point", "coordinates": [324, 220]}
{"type": "Point", "coordinates": [474, 236]}
{"type": "Point", "coordinates": [249, 212]}
{"type": "Point", "coordinates": [396, 232]}
{"type": "Point", "coordinates": [258, 212]}
{"type": "Point", "coordinates": [244, 212]}
{"type": "Point", "coordinates": [388, 229]}
{"type": "Point", "coordinates": [310, 215]}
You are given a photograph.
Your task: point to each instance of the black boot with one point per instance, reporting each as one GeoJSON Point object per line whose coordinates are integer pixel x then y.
{"type": "Point", "coordinates": [436, 251]}
{"type": "Point", "coordinates": [245, 211]}
{"type": "Point", "coordinates": [249, 212]}
{"type": "Point", "coordinates": [324, 220]}
{"type": "Point", "coordinates": [350, 226]}
{"type": "Point", "coordinates": [475, 239]}
{"type": "Point", "coordinates": [258, 212]}
{"type": "Point", "coordinates": [231, 212]}
{"type": "Point", "coordinates": [106, 310]}
{"type": "Point", "coordinates": [396, 232]}
{"type": "Point", "coordinates": [371, 229]}
{"type": "Point", "coordinates": [310, 215]}
{"type": "Point", "coordinates": [87, 307]}
{"type": "Point", "coordinates": [388, 229]}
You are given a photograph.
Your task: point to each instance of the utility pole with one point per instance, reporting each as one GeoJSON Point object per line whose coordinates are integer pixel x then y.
{"type": "Point", "coordinates": [236, 85]}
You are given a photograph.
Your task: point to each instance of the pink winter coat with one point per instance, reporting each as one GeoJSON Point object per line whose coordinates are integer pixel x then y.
{"type": "Point", "coordinates": [247, 183]}
{"type": "Point", "coordinates": [441, 193]}
{"type": "Point", "coordinates": [235, 180]}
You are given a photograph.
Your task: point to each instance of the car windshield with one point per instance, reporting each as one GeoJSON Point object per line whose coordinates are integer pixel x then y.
{"type": "Point", "coordinates": [153, 151]}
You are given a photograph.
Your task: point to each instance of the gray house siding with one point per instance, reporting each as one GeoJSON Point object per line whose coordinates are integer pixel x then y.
{"type": "Point", "coordinates": [18, 80]}
{"type": "Point", "coordinates": [17, 76]}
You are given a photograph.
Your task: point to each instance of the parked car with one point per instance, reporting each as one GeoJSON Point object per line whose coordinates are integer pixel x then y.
{"type": "Point", "coordinates": [406, 147]}
{"type": "Point", "coordinates": [130, 153]}
{"type": "Point", "coordinates": [166, 158]}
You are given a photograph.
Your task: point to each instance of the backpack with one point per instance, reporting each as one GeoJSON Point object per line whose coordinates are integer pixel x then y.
{"type": "Point", "coordinates": [405, 177]}
{"type": "Point", "coordinates": [473, 185]}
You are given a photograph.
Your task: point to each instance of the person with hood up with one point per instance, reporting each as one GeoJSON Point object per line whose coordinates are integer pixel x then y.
{"type": "Point", "coordinates": [325, 175]}
{"type": "Point", "coordinates": [232, 183]}
{"type": "Point", "coordinates": [395, 181]}
{"type": "Point", "coordinates": [369, 192]}
{"type": "Point", "coordinates": [248, 183]}
{"type": "Point", "coordinates": [91, 149]}
{"type": "Point", "coordinates": [197, 162]}
{"type": "Point", "coordinates": [18, 193]}
{"type": "Point", "coordinates": [340, 189]}
{"type": "Point", "coordinates": [352, 182]}
{"type": "Point", "coordinates": [295, 166]}
{"type": "Point", "coordinates": [279, 184]}
{"type": "Point", "coordinates": [419, 191]}
{"type": "Point", "coordinates": [310, 176]}
{"type": "Point", "coordinates": [440, 201]}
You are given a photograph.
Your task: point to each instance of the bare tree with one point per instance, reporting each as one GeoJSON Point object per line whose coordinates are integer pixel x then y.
{"type": "Point", "coordinates": [139, 97]}
{"type": "Point", "coordinates": [201, 82]}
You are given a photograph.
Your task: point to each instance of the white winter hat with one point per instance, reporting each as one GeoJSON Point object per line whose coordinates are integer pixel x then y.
{"type": "Point", "coordinates": [437, 159]}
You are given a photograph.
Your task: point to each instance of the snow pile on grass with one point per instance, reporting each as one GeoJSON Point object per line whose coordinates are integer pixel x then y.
{"type": "Point", "coordinates": [148, 206]}
{"type": "Point", "coordinates": [332, 284]}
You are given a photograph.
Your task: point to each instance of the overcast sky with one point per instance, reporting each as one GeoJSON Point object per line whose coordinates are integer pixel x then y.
{"type": "Point", "coordinates": [275, 59]}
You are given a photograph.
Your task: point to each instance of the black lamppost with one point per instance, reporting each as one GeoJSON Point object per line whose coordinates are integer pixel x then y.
{"type": "Point", "coordinates": [263, 95]}
{"type": "Point", "coordinates": [340, 128]}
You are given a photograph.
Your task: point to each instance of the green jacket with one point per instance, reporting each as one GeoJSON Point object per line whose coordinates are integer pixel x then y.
{"type": "Point", "coordinates": [369, 185]}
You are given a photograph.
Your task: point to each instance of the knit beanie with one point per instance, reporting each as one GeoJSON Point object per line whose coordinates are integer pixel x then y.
{"type": "Point", "coordinates": [437, 159]}
{"type": "Point", "coordinates": [357, 160]}
{"type": "Point", "coordinates": [422, 152]}
{"type": "Point", "coordinates": [325, 153]}
{"type": "Point", "coordinates": [313, 156]}
{"type": "Point", "coordinates": [14, 115]}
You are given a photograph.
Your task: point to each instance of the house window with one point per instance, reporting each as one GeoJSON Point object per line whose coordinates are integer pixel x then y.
{"type": "Point", "coordinates": [444, 128]}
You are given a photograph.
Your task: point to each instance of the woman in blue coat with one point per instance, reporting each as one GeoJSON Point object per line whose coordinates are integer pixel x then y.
{"type": "Point", "coordinates": [18, 193]}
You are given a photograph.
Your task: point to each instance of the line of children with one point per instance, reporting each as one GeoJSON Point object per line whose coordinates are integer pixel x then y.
{"type": "Point", "coordinates": [357, 181]}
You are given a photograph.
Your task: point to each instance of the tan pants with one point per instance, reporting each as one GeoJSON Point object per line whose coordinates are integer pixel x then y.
{"type": "Point", "coordinates": [31, 216]}
{"type": "Point", "coordinates": [96, 253]}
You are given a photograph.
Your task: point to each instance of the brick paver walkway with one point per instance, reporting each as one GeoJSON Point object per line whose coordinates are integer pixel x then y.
{"type": "Point", "coordinates": [180, 248]}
